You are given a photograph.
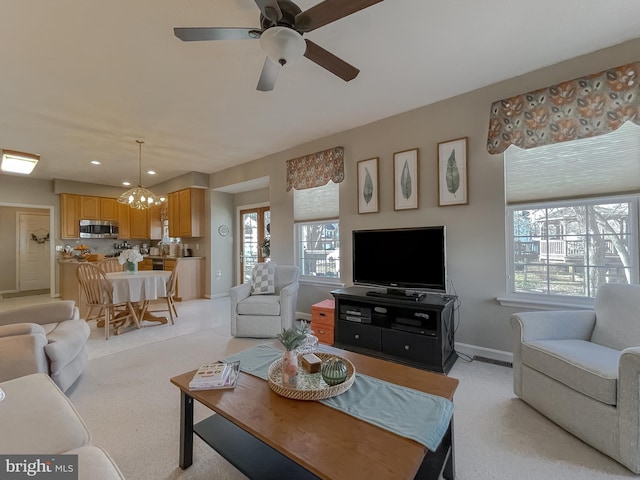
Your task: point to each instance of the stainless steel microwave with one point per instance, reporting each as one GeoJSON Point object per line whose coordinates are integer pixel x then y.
{"type": "Point", "coordinates": [98, 229]}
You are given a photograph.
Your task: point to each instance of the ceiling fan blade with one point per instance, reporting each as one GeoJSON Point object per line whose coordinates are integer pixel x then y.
{"type": "Point", "coordinates": [329, 11]}
{"type": "Point", "coordinates": [198, 34]}
{"type": "Point", "coordinates": [328, 60]}
{"type": "Point", "coordinates": [268, 76]}
{"type": "Point", "coordinates": [270, 10]}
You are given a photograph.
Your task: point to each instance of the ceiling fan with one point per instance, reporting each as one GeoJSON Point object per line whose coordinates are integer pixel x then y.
{"type": "Point", "coordinates": [282, 24]}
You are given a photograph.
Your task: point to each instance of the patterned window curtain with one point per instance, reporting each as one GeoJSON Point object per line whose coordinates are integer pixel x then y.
{"type": "Point", "coordinates": [585, 107]}
{"type": "Point", "coordinates": [316, 169]}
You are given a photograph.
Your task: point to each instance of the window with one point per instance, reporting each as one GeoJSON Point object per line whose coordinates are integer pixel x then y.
{"type": "Point", "coordinates": [572, 216]}
{"type": "Point", "coordinates": [317, 232]}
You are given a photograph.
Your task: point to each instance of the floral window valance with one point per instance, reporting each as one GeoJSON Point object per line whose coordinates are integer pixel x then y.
{"type": "Point", "coordinates": [585, 107]}
{"type": "Point", "coordinates": [316, 169]}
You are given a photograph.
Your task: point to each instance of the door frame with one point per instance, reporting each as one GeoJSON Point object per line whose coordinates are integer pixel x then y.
{"type": "Point", "coordinates": [238, 233]}
{"type": "Point", "coordinates": [52, 242]}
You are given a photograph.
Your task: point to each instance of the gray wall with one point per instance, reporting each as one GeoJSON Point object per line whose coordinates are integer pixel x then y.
{"type": "Point", "coordinates": [475, 232]}
{"type": "Point", "coordinates": [222, 248]}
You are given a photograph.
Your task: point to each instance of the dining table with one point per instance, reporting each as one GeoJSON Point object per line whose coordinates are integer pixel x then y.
{"type": "Point", "coordinates": [138, 289]}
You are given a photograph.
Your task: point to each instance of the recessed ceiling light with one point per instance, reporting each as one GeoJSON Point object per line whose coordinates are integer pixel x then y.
{"type": "Point", "coordinates": [96, 162]}
{"type": "Point", "coordinates": [126, 184]}
{"type": "Point", "coordinates": [18, 162]}
{"type": "Point", "coordinates": [151, 172]}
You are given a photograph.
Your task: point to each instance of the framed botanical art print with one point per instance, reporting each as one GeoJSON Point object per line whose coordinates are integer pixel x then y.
{"type": "Point", "coordinates": [453, 179]}
{"type": "Point", "coordinates": [368, 185]}
{"type": "Point", "coordinates": [405, 179]}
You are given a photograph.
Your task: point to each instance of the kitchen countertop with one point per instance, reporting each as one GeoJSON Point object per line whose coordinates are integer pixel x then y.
{"type": "Point", "coordinates": [75, 260]}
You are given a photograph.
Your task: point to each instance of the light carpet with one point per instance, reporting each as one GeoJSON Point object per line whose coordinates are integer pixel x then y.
{"type": "Point", "coordinates": [132, 410]}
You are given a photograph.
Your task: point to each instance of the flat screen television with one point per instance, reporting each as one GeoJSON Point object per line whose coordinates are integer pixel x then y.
{"type": "Point", "coordinates": [401, 259]}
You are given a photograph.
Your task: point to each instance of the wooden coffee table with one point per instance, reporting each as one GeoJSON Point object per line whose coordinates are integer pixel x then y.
{"type": "Point", "coordinates": [267, 436]}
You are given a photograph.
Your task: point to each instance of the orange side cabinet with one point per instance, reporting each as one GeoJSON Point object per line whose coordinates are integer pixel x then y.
{"type": "Point", "coordinates": [322, 321]}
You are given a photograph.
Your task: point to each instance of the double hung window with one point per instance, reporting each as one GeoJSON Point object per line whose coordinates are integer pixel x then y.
{"type": "Point", "coordinates": [572, 216]}
{"type": "Point", "coordinates": [317, 233]}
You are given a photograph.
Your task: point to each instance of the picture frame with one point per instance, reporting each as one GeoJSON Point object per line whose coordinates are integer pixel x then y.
{"type": "Point", "coordinates": [405, 179]}
{"type": "Point", "coordinates": [453, 177]}
{"type": "Point", "coordinates": [368, 191]}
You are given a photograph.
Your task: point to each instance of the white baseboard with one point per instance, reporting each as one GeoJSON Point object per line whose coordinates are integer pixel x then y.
{"type": "Point", "coordinates": [474, 350]}
{"type": "Point", "coordinates": [303, 316]}
{"type": "Point", "coordinates": [217, 295]}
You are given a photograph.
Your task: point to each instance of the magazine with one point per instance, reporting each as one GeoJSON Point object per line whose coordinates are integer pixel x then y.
{"type": "Point", "coordinates": [225, 376]}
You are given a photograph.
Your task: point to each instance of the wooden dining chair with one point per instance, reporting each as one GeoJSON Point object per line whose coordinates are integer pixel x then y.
{"type": "Point", "coordinates": [111, 265]}
{"type": "Point", "coordinates": [171, 293]}
{"type": "Point", "coordinates": [98, 293]}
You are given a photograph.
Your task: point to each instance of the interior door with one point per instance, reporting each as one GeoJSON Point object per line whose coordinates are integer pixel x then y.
{"type": "Point", "coordinates": [34, 261]}
{"type": "Point", "coordinates": [256, 226]}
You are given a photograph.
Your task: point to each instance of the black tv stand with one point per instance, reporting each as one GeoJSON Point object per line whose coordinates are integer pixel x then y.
{"type": "Point", "coordinates": [397, 294]}
{"type": "Point", "coordinates": [417, 331]}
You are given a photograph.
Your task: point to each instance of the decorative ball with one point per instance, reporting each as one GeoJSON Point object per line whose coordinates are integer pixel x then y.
{"type": "Point", "coordinates": [333, 371]}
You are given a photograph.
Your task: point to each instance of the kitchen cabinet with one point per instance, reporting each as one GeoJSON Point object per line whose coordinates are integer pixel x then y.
{"type": "Point", "coordinates": [190, 280]}
{"type": "Point", "coordinates": [108, 209]}
{"type": "Point", "coordinates": [186, 213]}
{"type": "Point", "coordinates": [124, 221]}
{"type": "Point", "coordinates": [70, 215]}
{"type": "Point", "coordinates": [138, 223]}
{"type": "Point", "coordinates": [145, 264]}
{"type": "Point", "coordinates": [154, 222]}
{"type": "Point", "coordinates": [89, 208]}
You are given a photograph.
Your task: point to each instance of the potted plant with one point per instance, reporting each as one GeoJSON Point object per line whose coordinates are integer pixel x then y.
{"type": "Point", "coordinates": [291, 338]}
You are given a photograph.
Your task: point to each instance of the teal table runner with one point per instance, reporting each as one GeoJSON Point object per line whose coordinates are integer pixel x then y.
{"type": "Point", "coordinates": [404, 411]}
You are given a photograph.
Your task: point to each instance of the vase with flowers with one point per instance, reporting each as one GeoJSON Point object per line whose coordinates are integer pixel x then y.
{"type": "Point", "coordinates": [291, 338]}
{"type": "Point", "coordinates": [130, 259]}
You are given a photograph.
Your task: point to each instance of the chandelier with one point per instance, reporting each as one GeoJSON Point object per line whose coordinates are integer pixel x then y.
{"type": "Point", "coordinates": [139, 197]}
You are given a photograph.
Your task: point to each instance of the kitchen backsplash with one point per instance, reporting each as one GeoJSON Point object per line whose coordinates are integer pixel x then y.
{"type": "Point", "coordinates": [114, 247]}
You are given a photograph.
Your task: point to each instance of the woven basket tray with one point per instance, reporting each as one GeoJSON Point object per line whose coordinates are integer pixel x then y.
{"type": "Point", "coordinates": [311, 386]}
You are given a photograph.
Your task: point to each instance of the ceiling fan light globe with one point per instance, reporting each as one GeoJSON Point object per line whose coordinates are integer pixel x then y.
{"type": "Point", "coordinates": [283, 45]}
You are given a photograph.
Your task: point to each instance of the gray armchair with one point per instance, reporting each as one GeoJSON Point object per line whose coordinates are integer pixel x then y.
{"type": "Point", "coordinates": [581, 369]}
{"type": "Point", "coordinates": [47, 338]}
{"type": "Point", "coordinates": [264, 316]}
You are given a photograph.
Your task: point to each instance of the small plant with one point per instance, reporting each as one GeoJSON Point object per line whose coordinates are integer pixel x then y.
{"type": "Point", "coordinates": [291, 338]}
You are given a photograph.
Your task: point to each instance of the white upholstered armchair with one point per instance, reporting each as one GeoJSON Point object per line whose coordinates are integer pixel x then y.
{"type": "Point", "coordinates": [47, 338]}
{"type": "Point", "coordinates": [264, 315]}
{"type": "Point", "coordinates": [581, 369]}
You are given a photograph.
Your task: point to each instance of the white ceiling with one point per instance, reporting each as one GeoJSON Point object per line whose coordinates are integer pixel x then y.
{"type": "Point", "coordinates": [81, 80]}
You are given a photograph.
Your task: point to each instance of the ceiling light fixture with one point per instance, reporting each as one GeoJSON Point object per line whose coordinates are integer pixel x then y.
{"type": "Point", "coordinates": [18, 162]}
{"type": "Point", "coordinates": [283, 45]}
{"type": "Point", "coordinates": [139, 197]}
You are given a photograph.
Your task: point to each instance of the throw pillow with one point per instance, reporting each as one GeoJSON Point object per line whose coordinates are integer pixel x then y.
{"type": "Point", "coordinates": [263, 279]}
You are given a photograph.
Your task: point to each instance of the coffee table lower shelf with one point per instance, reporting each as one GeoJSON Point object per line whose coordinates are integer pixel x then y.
{"type": "Point", "coordinates": [251, 456]}
{"type": "Point", "coordinates": [257, 460]}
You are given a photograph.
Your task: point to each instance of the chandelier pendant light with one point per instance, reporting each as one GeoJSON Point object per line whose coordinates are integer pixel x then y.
{"type": "Point", "coordinates": [139, 197]}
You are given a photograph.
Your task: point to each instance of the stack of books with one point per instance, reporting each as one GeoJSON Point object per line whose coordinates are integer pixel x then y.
{"type": "Point", "coordinates": [215, 375]}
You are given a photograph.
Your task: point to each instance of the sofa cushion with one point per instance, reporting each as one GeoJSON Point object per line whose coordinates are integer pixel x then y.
{"type": "Point", "coordinates": [263, 279]}
{"type": "Point", "coordinates": [40, 417]}
{"type": "Point", "coordinates": [586, 367]}
{"type": "Point", "coordinates": [66, 341]}
{"type": "Point", "coordinates": [260, 305]}
{"type": "Point", "coordinates": [617, 308]}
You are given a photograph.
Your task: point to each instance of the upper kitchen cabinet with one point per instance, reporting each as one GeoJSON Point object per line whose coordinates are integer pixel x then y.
{"type": "Point", "coordinates": [138, 223]}
{"type": "Point", "coordinates": [124, 220]}
{"type": "Point", "coordinates": [109, 209]}
{"type": "Point", "coordinates": [186, 213]}
{"type": "Point", "coordinates": [154, 222]}
{"type": "Point", "coordinates": [70, 215]}
{"type": "Point", "coordinates": [89, 208]}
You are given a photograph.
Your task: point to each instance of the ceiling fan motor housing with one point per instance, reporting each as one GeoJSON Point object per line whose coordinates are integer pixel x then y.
{"type": "Point", "coordinates": [289, 11]}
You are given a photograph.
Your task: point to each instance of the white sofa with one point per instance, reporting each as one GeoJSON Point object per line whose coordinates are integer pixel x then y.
{"type": "Point", "coordinates": [581, 369]}
{"type": "Point", "coordinates": [265, 316]}
{"type": "Point", "coordinates": [47, 338]}
{"type": "Point", "coordinates": [38, 419]}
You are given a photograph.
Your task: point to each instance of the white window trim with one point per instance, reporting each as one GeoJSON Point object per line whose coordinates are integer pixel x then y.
{"type": "Point", "coordinates": [546, 301]}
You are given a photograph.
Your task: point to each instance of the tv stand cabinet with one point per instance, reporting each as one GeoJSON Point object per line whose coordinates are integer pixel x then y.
{"type": "Point", "coordinates": [418, 333]}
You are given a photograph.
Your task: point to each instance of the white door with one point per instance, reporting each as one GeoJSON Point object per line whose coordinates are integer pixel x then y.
{"type": "Point", "coordinates": [34, 261]}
